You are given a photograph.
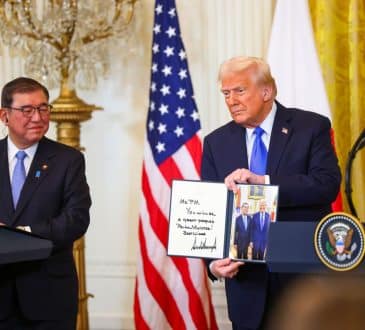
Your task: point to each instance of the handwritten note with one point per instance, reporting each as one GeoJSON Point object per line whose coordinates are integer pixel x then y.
{"type": "Point", "coordinates": [197, 219]}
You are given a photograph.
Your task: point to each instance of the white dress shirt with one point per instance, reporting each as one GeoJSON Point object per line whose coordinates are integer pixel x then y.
{"type": "Point", "coordinates": [266, 125]}
{"type": "Point", "coordinates": [12, 150]}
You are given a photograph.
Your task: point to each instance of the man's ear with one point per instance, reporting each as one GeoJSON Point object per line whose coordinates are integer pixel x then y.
{"type": "Point", "coordinates": [267, 93]}
{"type": "Point", "coordinates": [4, 116]}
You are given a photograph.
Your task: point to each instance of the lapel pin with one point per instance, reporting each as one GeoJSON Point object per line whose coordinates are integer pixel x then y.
{"type": "Point", "coordinates": [37, 173]}
{"type": "Point", "coordinates": [44, 167]}
{"type": "Point", "coordinates": [284, 130]}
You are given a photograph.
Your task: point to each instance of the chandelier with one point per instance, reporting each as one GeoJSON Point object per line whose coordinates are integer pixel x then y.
{"type": "Point", "coordinates": [65, 41]}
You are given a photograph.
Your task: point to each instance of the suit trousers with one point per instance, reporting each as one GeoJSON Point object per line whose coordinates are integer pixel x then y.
{"type": "Point", "coordinates": [17, 321]}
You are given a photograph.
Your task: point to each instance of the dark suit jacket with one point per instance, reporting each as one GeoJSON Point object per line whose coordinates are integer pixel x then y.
{"type": "Point", "coordinates": [302, 162]}
{"type": "Point", "coordinates": [260, 235]}
{"type": "Point", "coordinates": [55, 203]}
{"type": "Point", "coordinates": [242, 235]}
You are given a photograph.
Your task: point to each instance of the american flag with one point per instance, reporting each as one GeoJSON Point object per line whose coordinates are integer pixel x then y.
{"type": "Point", "coordinates": [171, 292]}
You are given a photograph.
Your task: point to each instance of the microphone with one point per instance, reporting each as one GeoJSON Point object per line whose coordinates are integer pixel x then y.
{"type": "Point", "coordinates": [361, 140]}
{"type": "Point", "coordinates": [358, 145]}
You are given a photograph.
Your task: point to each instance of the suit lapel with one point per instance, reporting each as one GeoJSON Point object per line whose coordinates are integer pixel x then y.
{"type": "Point", "coordinates": [238, 135]}
{"type": "Point", "coordinates": [6, 199]}
{"type": "Point", "coordinates": [38, 171]}
{"type": "Point", "coordinates": [280, 135]}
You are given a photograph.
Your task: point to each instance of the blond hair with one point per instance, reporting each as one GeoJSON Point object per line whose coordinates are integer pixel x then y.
{"type": "Point", "coordinates": [240, 64]}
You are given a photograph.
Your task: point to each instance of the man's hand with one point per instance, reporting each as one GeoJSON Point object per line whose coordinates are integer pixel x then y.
{"type": "Point", "coordinates": [242, 175]}
{"type": "Point", "coordinates": [2, 224]}
{"type": "Point", "coordinates": [225, 268]}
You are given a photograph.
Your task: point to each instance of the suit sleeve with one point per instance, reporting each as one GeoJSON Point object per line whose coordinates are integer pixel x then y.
{"type": "Point", "coordinates": [208, 170]}
{"type": "Point", "coordinates": [320, 182]}
{"type": "Point", "coordinates": [208, 173]}
{"type": "Point", "coordinates": [72, 217]}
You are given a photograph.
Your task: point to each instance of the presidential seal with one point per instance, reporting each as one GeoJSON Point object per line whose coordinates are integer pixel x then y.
{"type": "Point", "coordinates": [339, 241]}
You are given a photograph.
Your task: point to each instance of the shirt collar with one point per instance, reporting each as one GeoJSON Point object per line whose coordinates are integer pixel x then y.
{"type": "Point", "coordinates": [13, 149]}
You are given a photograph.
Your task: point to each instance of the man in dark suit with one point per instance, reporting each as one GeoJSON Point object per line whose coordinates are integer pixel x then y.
{"type": "Point", "coordinates": [242, 237]}
{"type": "Point", "coordinates": [260, 231]}
{"type": "Point", "coordinates": [52, 202]}
{"type": "Point", "coordinates": [300, 159]}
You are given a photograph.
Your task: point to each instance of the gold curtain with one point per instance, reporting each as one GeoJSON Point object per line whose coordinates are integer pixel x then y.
{"type": "Point", "coordinates": [339, 28]}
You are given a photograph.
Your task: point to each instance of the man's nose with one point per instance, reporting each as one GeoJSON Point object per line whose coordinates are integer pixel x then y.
{"type": "Point", "coordinates": [231, 99]}
{"type": "Point", "coordinates": [36, 115]}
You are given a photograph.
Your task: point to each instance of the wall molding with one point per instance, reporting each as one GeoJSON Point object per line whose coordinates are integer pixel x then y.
{"type": "Point", "coordinates": [106, 268]}
{"type": "Point", "coordinates": [111, 322]}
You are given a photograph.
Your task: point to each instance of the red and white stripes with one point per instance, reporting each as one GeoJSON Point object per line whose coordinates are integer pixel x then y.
{"type": "Point", "coordinates": [171, 292]}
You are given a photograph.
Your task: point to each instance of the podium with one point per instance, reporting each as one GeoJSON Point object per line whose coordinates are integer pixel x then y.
{"type": "Point", "coordinates": [18, 245]}
{"type": "Point", "coordinates": [291, 249]}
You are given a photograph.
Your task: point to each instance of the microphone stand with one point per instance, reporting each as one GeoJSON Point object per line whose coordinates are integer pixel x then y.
{"type": "Point", "coordinates": [359, 144]}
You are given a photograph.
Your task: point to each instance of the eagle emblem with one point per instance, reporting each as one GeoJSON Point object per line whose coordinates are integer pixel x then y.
{"type": "Point", "coordinates": [339, 241]}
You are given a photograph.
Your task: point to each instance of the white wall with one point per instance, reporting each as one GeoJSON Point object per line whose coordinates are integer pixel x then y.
{"type": "Point", "coordinates": [212, 30]}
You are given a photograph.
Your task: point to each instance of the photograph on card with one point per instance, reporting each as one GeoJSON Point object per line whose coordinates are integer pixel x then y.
{"type": "Point", "coordinates": [253, 209]}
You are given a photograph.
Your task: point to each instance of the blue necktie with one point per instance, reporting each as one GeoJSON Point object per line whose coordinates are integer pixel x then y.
{"type": "Point", "coordinates": [259, 153]}
{"type": "Point", "coordinates": [262, 221]}
{"type": "Point", "coordinates": [18, 176]}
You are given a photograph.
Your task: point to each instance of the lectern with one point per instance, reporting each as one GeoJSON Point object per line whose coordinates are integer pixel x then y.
{"type": "Point", "coordinates": [18, 245]}
{"type": "Point", "coordinates": [291, 249]}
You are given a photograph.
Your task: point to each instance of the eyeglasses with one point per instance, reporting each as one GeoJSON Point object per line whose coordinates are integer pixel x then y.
{"type": "Point", "coordinates": [28, 110]}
